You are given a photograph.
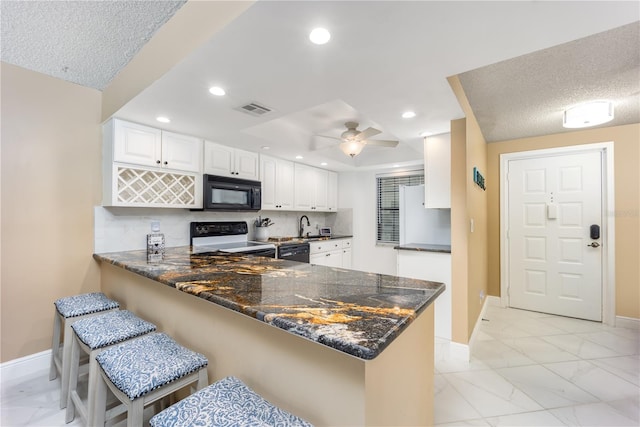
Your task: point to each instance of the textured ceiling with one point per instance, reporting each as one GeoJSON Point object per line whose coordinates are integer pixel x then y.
{"type": "Point", "coordinates": [84, 42]}
{"type": "Point", "coordinates": [526, 96]}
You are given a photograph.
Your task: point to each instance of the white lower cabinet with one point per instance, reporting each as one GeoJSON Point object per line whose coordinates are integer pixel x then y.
{"type": "Point", "coordinates": [435, 267]}
{"type": "Point", "coordinates": [331, 253]}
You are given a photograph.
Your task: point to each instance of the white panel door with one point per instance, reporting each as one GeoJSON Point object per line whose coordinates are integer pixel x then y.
{"type": "Point", "coordinates": [554, 265]}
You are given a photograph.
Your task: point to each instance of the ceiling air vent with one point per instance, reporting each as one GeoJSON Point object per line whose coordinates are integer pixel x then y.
{"type": "Point", "coordinates": [254, 109]}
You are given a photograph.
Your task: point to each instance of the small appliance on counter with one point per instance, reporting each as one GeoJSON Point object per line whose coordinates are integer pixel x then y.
{"type": "Point", "coordinates": [325, 231]}
{"type": "Point", "coordinates": [227, 236]}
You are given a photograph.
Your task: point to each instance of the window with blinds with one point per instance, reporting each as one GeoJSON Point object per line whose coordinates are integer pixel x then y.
{"type": "Point", "coordinates": [389, 203]}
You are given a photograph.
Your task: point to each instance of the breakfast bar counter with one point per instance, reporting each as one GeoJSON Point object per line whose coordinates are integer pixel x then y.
{"type": "Point", "coordinates": [334, 346]}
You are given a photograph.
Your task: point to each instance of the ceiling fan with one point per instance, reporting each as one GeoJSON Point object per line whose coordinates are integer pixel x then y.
{"type": "Point", "coordinates": [353, 140]}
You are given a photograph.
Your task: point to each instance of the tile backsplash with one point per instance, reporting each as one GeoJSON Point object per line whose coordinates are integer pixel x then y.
{"type": "Point", "coordinates": [123, 229]}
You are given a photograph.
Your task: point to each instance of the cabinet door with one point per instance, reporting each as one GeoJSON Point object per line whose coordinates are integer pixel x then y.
{"type": "Point", "coordinates": [334, 258]}
{"type": "Point", "coordinates": [317, 259]}
{"type": "Point", "coordinates": [246, 165]}
{"type": "Point", "coordinates": [218, 159]}
{"type": "Point", "coordinates": [437, 171]}
{"type": "Point", "coordinates": [284, 184]}
{"type": "Point", "coordinates": [332, 192]}
{"type": "Point", "coordinates": [346, 258]}
{"type": "Point", "coordinates": [321, 185]}
{"type": "Point", "coordinates": [304, 196]}
{"type": "Point", "coordinates": [268, 176]}
{"type": "Point", "coordinates": [181, 152]}
{"type": "Point", "coordinates": [136, 144]}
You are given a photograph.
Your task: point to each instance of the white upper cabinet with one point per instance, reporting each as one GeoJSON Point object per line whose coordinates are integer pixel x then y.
{"type": "Point", "coordinates": [137, 144]}
{"type": "Point", "coordinates": [181, 152]}
{"type": "Point", "coordinates": [311, 186]}
{"type": "Point", "coordinates": [332, 192]}
{"type": "Point", "coordinates": [437, 171]}
{"type": "Point", "coordinates": [222, 160]}
{"type": "Point", "coordinates": [146, 146]}
{"type": "Point", "coordinates": [277, 183]}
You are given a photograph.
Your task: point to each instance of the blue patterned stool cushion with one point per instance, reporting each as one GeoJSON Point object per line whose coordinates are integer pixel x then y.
{"type": "Point", "coordinates": [228, 402]}
{"type": "Point", "coordinates": [111, 328]}
{"type": "Point", "coordinates": [143, 364]}
{"type": "Point", "coordinates": [79, 305]}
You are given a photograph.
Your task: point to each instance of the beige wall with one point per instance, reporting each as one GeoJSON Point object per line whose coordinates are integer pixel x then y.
{"type": "Point", "coordinates": [469, 261]}
{"type": "Point", "coordinates": [459, 235]}
{"type": "Point", "coordinates": [627, 206]}
{"type": "Point", "coordinates": [50, 182]}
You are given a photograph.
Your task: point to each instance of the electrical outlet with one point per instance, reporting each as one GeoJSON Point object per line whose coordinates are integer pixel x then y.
{"type": "Point", "coordinates": [482, 295]}
{"type": "Point", "coordinates": [155, 226]}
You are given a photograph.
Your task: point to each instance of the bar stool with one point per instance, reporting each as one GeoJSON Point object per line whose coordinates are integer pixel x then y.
{"type": "Point", "coordinates": [143, 370]}
{"type": "Point", "coordinates": [227, 402]}
{"type": "Point", "coordinates": [68, 311]}
{"type": "Point", "coordinates": [93, 335]}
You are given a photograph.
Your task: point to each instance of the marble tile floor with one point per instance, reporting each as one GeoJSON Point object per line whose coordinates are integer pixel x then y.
{"type": "Point", "coordinates": [527, 369]}
{"type": "Point", "coordinates": [535, 369]}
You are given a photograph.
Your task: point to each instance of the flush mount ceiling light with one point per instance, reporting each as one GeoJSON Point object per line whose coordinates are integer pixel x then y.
{"type": "Point", "coordinates": [162, 119]}
{"type": "Point", "coordinates": [324, 164]}
{"type": "Point", "coordinates": [588, 114]}
{"type": "Point", "coordinates": [408, 115]}
{"type": "Point", "coordinates": [351, 147]}
{"type": "Point", "coordinates": [319, 36]}
{"type": "Point", "coordinates": [299, 157]}
{"type": "Point", "coordinates": [217, 91]}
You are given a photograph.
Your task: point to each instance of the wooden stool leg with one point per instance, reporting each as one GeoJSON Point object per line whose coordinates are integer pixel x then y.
{"type": "Point", "coordinates": [135, 413]}
{"type": "Point", "coordinates": [74, 362]}
{"type": "Point", "coordinates": [94, 379]}
{"type": "Point", "coordinates": [55, 346]}
{"type": "Point", "coordinates": [66, 354]}
{"type": "Point", "coordinates": [100, 401]}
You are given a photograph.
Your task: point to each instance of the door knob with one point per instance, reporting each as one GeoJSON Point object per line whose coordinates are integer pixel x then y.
{"type": "Point", "coordinates": [594, 244]}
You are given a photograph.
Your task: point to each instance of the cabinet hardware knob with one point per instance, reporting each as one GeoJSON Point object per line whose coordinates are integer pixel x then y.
{"type": "Point", "coordinates": [158, 162]}
{"type": "Point", "coordinates": [166, 163]}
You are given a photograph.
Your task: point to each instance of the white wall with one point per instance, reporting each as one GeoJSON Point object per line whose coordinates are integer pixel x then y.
{"type": "Point", "coordinates": [357, 192]}
{"type": "Point", "coordinates": [123, 229]}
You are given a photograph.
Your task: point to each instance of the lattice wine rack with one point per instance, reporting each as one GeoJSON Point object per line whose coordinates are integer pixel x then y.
{"type": "Point", "coordinates": [145, 187]}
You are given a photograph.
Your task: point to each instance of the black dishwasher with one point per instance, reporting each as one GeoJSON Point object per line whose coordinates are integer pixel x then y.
{"type": "Point", "coordinates": [294, 252]}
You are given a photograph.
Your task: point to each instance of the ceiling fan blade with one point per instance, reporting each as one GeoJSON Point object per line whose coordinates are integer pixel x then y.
{"type": "Point", "coordinates": [382, 142]}
{"type": "Point", "coordinates": [368, 132]}
{"type": "Point", "coordinates": [330, 137]}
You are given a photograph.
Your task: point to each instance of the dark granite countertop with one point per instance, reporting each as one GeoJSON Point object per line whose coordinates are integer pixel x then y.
{"type": "Point", "coordinates": [423, 247]}
{"type": "Point", "coordinates": [355, 312]}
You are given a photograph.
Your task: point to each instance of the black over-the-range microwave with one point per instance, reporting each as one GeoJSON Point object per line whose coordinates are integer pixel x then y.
{"type": "Point", "coordinates": [231, 194]}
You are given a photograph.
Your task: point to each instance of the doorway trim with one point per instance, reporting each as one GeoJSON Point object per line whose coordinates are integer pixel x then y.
{"type": "Point", "coordinates": [608, 208]}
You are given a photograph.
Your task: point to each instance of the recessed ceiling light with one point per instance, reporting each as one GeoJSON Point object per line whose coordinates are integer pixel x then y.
{"type": "Point", "coordinates": [319, 36]}
{"type": "Point", "coordinates": [299, 157]}
{"type": "Point", "coordinates": [217, 91]}
{"type": "Point", "coordinates": [162, 119]}
{"type": "Point", "coordinates": [588, 114]}
{"type": "Point", "coordinates": [396, 166]}
{"type": "Point", "coordinates": [426, 133]}
{"type": "Point", "coordinates": [266, 147]}
{"type": "Point", "coordinates": [408, 115]}
{"type": "Point", "coordinates": [323, 164]}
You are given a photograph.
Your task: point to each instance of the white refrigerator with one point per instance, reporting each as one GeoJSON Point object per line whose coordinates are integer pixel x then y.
{"type": "Point", "coordinates": [420, 225]}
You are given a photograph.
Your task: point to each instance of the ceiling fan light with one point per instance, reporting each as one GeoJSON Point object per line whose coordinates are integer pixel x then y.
{"type": "Point", "coordinates": [351, 148]}
{"type": "Point", "coordinates": [588, 114]}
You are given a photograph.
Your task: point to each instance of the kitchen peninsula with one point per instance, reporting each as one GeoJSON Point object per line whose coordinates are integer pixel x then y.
{"type": "Point", "coordinates": [334, 346]}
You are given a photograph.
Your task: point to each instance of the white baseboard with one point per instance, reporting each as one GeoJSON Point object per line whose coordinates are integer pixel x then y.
{"type": "Point", "coordinates": [628, 322]}
{"type": "Point", "coordinates": [24, 366]}
{"type": "Point", "coordinates": [459, 351]}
